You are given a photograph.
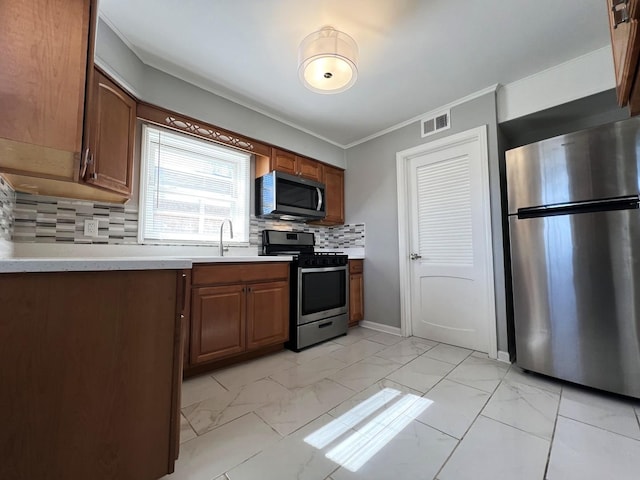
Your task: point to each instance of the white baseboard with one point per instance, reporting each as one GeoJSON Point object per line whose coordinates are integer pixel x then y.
{"type": "Point", "coordinates": [504, 357]}
{"type": "Point", "coordinates": [381, 327]}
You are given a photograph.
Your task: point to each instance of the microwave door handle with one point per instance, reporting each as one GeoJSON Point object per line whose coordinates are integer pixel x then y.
{"type": "Point", "coordinates": [319, 198]}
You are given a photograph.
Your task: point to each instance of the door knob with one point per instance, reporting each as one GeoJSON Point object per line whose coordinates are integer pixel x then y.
{"type": "Point", "coordinates": [415, 256]}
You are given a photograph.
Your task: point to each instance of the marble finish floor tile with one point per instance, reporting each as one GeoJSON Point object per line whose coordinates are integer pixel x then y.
{"type": "Point", "coordinates": [186, 432]}
{"type": "Point", "coordinates": [417, 452]}
{"type": "Point", "coordinates": [493, 451]}
{"type": "Point", "coordinates": [422, 373]}
{"type": "Point", "coordinates": [356, 400]}
{"type": "Point", "coordinates": [196, 389]}
{"type": "Point", "coordinates": [234, 419]}
{"type": "Point", "coordinates": [385, 338]}
{"type": "Point", "coordinates": [454, 408]}
{"type": "Point", "coordinates": [224, 407]}
{"type": "Point", "coordinates": [448, 353]}
{"type": "Point", "coordinates": [290, 458]}
{"type": "Point", "coordinates": [481, 373]}
{"type": "Point", "coordinates": [525, 407]}
{"type": "Point", "coordinates": [311, 353]}
{"type": "Point", "coordinates": [355, 335]}
{"type": "Point", "coordinates": [218, 451]}
{"type": "Point", "coordinates": [516, 374]}
{"type": "Point", "coordinates": [366, 372]}
{"type": "Point", "coordinates": [600, 410]}
{"type": "Point", "coordinates": [406, 350]}
{"type": "Point", "coordinates": [357, 351]}
{"type": "Point", "coordinates": [584, 452]}
{"type": "Point", "coordinates": [304, 405]}
{"type": "Point", "coordinates": [309, 372]}
{"type": "Point", "coordinates": [248, 372]}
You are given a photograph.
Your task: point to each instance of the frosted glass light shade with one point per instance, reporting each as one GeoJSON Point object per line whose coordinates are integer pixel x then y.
{"type": "Point", "coordinates": [327, 61]}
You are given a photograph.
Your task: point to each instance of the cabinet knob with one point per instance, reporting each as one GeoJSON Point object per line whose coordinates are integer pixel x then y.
{"type": "Point", "coordinates": [181, 315]}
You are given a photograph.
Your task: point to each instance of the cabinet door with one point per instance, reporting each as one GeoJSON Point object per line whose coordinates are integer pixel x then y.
{"type": "Point", "coordinates": [267, 314]}
{"type": "Point", "coordinates": [626, 46]}
{"type": "Point", "coordinates": [309, 168]}
{"type": "Point", "coordinates": [43, 68]}
{"type": "Point", "coordinates": [112, 131]}
{"type": "Point", "coordinates": [334, 195]}
{"type": "Point", "coordinates": [217, 322]}
{"type": "Point", "coordinates": [283, 161]}
{"type": "Point", "coordinates": [356, 298]}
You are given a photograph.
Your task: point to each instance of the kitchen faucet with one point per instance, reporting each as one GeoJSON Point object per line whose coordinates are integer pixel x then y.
{"type": "Point", "coordinates": [230, 234]}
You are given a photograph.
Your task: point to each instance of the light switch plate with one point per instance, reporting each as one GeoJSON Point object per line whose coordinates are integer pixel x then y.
{"type": "Point", "coordinates": [91, 227]}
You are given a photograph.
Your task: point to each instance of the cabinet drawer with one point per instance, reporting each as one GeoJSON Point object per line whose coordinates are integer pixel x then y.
{"type": "Point", "coordinates": [224, 274]}
{"type": "Point", "coordinates": [356, 266]}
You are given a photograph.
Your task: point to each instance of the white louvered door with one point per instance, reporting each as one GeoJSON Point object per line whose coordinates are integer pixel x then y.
{"type": "Point", "coordinates": [449, 233]}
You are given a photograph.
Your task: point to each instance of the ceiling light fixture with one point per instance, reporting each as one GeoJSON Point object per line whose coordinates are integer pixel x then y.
{"type": "Point", "coordinates": [327, 61]}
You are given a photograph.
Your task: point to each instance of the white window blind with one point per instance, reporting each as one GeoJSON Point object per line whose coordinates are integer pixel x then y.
{"type": "Point", "coordinates": [188, 187]}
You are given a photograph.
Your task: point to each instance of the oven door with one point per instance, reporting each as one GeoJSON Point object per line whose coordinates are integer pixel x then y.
{"type": "Point", "coordinates": [322, 293]}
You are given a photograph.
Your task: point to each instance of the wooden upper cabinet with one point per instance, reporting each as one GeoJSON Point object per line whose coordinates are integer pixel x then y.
{"type": "Point", "coordinates": [43, 68]}
{"type": "Point", "coordinates": [334, 196]}
{"type": "Point", "coordinates": [111, 127]}
{"type": "Point", "coordinates": [283, 162]}
{"type": "Point", "coordinates": [625, 41]}
{"type": "Point", "coordinates": [310, 169]}
{"type": "Point", "coordinates": [290, 163]}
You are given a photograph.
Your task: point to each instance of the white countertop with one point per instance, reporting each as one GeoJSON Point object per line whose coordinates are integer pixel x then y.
{"type": "Point", "coordinates": [16, 265]}
{"type": "Point", "coordinates": [88, 258]}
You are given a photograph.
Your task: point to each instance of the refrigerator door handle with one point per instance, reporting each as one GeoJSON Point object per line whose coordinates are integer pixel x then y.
{"type": "Point", "coordinates": [629, 202]}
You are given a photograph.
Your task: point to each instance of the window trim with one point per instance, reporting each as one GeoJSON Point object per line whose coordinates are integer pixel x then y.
{"type": "Point", "coordinates": [142, 196]}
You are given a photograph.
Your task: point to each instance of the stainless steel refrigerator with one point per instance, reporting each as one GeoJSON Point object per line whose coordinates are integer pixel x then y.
{"type": "Point", "coordinates": [574, 227]}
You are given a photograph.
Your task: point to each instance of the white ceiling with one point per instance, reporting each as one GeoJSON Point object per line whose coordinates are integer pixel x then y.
{"type": "Point", "coordinates": [415, 55]}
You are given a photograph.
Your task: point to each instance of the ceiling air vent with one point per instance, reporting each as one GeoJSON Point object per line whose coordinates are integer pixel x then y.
{"type": "Point", "coordinates": [435, 124]}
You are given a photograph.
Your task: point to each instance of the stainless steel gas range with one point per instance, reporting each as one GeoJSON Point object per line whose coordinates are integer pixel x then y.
{"type": "Point", "coordinates": [319, 296]}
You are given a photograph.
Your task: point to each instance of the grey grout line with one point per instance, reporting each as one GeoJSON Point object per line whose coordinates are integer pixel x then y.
{"type": "Point", "coordinates": [600, 428]}
{"type": "Point", "coordinates": [553, 435]}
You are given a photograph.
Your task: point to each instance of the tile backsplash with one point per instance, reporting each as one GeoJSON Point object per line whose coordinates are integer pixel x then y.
{"type": "Point", "coordinates": [40, 219]}
{"type": "Point", "coordinates": [43, 219]}
{"type": "Point", "coordinates": [7, 207]}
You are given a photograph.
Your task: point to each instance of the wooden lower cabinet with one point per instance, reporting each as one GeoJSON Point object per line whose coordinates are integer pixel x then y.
{"type": "Point", "coordinates": [217, 322]}
{"type": "Point", "coordinates": [267, 314]}
{"type": "Point", "coordinates": [356, 292]}
{"type": "Point", "coordinates": [237, 309]}
{"type": "Point", "coordinates": [91, 374]}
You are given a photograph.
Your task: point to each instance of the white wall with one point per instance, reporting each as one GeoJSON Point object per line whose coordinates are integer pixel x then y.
{"type": "Point", "coordinates": [159, 88]}
{"type": "Point", "coordinates": [578, 78]}
{"type": "Point", "coordinates": [372, 198]}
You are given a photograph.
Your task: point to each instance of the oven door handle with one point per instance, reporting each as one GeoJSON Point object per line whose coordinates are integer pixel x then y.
{"type": "Point", "coordinates": [323, 269]}
{"type": "Point", "coordinates": [319, 198]}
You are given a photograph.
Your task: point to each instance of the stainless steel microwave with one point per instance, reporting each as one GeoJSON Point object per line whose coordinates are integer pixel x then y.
{"type": "Point", "coordinates": [289, 197]}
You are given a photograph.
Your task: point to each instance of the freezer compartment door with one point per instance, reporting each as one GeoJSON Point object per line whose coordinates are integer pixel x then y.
{"type": "Point", "coordinates": [598, 163]}
{"type": "Point", "coordinates": [576, 293]}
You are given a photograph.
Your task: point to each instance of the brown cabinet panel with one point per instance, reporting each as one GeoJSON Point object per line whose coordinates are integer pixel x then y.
{"type": "Point", "coordinates": [225, 274]}
{"type": "Point", "coordinates": [89, 382]}
{"type": "Point", "coordinates": [334, 196]}
{"type": "Point", "coordinates": [283, 162]}
{"type": "Point", "coordinates": [356, 292]}
{"type": "Point", "coordinates": [217, 322]}
{"type": "Point", "coordinates": [310, 169]}
{"type": "Point", "coordinates": [356, 266]}
{"type": "Point", "coordinates": [267, 314]}
{"type": "Point", "coordinates": [43, 70]}
{"type": "Point", "coordinates": [625, 42]}
{"type": "Point", "coordinates": [112, 128]}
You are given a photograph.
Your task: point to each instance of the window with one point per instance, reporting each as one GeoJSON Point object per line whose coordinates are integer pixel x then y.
{"type": "Point", "coordinates": [188, 187]}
